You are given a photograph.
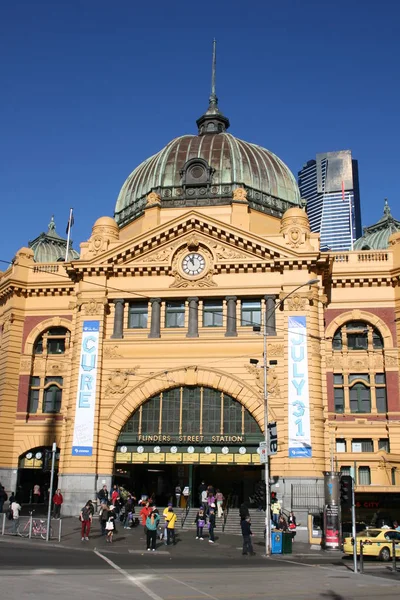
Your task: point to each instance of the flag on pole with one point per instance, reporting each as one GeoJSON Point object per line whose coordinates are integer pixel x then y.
{"type": "Point", "coordinates": [343, 195]}
{"type": "Point", "coordinates": [70, 222]}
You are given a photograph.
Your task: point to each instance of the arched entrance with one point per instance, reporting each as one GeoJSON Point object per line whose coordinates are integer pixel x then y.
{"type": "Point", "coordinates": [34, 468]}
{"type": "Point", "coordinates": [185, 435]}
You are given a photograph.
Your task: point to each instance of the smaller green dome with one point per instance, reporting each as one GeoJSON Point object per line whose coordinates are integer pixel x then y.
{"type": "Point", "coordinates": [376, 237]}
{"type": "Point", "coordinates": [51, 247]}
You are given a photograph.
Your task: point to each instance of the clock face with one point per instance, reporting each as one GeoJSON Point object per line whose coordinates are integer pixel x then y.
{"type": "Point", "coordinates": [225, 450]}
{"type": "Point", "coordinates": [157, 449]}
{"type": "Point", "coordinates": [207, 450]}
{"type": "Point", "coordinates": [140, 449]}
{"type": "Point", "coordinates": [190, 449]}
{"type": "Point", "coordinates": [174, 449]}
{"type": "Point", "coordinates": [242, 450]}
{"type": "Point", "coordinates": [193, 264]}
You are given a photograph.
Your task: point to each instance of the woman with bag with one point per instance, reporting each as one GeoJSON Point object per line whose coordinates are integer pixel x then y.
{"type": "Point", "coordinates": [200, 523]}
{"type": "Point", "coordinates": [152, 522]}
{"type": "Point", "coordinates": [110, 525]}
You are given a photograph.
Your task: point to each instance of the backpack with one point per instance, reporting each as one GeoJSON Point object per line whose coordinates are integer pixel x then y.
{"type": "Point", "coordinates": [85, 514]}
{"type": "Point", "coordinates": [10, 514]}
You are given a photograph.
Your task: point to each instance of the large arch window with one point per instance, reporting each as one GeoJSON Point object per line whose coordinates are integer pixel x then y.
{"type": "Point", "coordinates": [357, 335]}
{"type": "Point", "coordinates": [192, 411]}
{"type": "Point", "coordinates": [53, 341]}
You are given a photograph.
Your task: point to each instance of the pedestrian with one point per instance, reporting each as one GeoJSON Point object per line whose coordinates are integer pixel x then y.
{"type": "Point", "coordinates": [3, 497]}
{"type": "Point", "coordinates": [103, 516]}
{"type": "Point", "coordinates": [86, 521]}
{"type": "Point", "coordinates": [247, 535]}
{"type": "Point", "coordinates": [171, 526]}
{"type": "Point", "coordinates": [282, 524]}
{"type": "Point", "coordinates": [152, 522]}
{"type": "Point", "coordinates": [200, 523]}
{"type": "Point", "coordinates": [178, 492]}
{"type": "Point", "coordinates": [220, 500]}
{"type": "Point", "coordinates": [144, 513]}
{"type": "Point", "coordinates": [36, 493]}
{"type": "Point", "coordinates": [102, 495]}
{"type": "Point", "coordinates": [166, 514]}
{"type": "Point", "coordinates": [115, 496]}
{"type": "Point", "coordinates": [129, 511]}
{"type": "Point", "coordinates": [292, 524]}
{"type": "Point", "coordinates": [276, 511]}
{"type": "Point", "coordinates": [202, 487]}
{"type": "Point", "coordinates": [211, 524]}
{"type": "Point", "coordinates": [204, 503]}
{"type": "Point", "coordinates": [210, 501]}
{"type": "Point", "coordinates": [57, 501]}
{"type": "Point", "coordinates": [110, 524]}
{"type": "Point", "coordinates": [15, 508]}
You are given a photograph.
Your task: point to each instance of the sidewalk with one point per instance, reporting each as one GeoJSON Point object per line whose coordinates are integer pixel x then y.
{"type": "Point", "coordinates": [133, 541]}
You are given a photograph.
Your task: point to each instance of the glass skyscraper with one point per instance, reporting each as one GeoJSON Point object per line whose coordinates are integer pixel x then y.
{"type": "Point", "coordinates": [330, 185]}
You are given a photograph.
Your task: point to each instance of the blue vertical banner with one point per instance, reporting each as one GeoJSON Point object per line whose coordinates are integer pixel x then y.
{"type": "Point", "coordinates": [299, 399]}
{"type": "Point", "coordinates": [82, 444]}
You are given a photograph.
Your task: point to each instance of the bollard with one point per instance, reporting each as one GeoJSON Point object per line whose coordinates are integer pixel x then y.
{"type": "Point", "coordinates": [361, 557]}
{"type": "Point", "coordinates": [394, 556]}
{"type": "Point", "coordinates": [3, 527]}
{"type": "Point", "coordinates": [30, 526]}
{"type": "Point", "coordinates": [59, 530]}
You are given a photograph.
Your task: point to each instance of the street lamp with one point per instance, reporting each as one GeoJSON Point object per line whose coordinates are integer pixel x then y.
{"type": "Point", "coordinates": [265, 367]}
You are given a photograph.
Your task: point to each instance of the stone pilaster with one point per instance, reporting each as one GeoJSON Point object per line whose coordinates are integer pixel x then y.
{"type": "Point", "coordinates": [118, 332]}
{"type": "Point", "coordinates": [231, 324]}
{"type": "Point", "coordinates": [193, 328]}
{"type": "Point", "coordinates": [155, 318]}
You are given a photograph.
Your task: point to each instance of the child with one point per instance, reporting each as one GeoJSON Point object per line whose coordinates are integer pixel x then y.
{"type": "Point", "coordinates": [211, 523]}
{"type": "Point", "coordinates": [200, 523]}
{"type": "Point", "coordinates": [110, 525]}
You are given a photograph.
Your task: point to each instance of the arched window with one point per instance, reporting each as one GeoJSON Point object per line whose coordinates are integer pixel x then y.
{"type": "Point", "coordinates": [45, 394]}
{"type": "Point", "coordinates": [193, 411]}
{"type": "Point", "coordinates": [357, 335]}
{"type": "Point", "coordinates": [53, 341]}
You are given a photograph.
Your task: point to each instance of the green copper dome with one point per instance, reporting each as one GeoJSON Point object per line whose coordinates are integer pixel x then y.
{"type": "Point", "coordinates": [376, 237]}
{"type": "Point", "coordinates": [51, 247]}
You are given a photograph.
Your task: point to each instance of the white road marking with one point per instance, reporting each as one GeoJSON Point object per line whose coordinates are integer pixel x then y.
{"type": "Point", "coordinates": [130, 578]}
{"type": "Point", "coordinates": [191, 587]}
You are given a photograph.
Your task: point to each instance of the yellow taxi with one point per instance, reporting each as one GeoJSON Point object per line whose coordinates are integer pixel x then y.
{"type": "Point", "coordinates": [376, 542]}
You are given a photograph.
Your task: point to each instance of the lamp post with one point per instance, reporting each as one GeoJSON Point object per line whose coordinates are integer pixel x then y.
{"type": "Point", "coordinates": [265, 367]}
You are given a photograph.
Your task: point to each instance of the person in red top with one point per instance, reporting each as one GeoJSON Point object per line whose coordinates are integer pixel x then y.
{"type": "Point", "coordinates": [57, 501]}
{"type": "Point", "coordinates": [144, 513]}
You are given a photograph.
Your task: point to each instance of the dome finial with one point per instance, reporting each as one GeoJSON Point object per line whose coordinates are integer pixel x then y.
{"type": "Point", "coordinates": [386, 209]}
{"type": "Point", "coordinates": [213, 121]}
{"type": "Point", "coordinates": [51, 226]}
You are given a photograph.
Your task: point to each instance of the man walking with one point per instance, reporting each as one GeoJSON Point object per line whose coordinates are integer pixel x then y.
{"type": "Point", "coordinates": [247, 533]}
{"type": "Point", "coordinates": [15, 509]}
{"type": "Point", "coordinates": [171, 520]}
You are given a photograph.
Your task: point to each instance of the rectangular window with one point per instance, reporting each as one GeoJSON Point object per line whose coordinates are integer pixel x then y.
{"type": "Point", "coordinates": [251, 313]}
{"type": "Point", "coordinates": [337, 379]}
{"type": "Point", "coordinates": [174, 314]}
{"type": "Point", "coordinates": [232, 417]}
{"type": "Point", "coordinates": [211, 411]}
{"type": "Point", "coordinates": [339, 400]}
{"type": "Point", "coordinates": [171, 411]}
{"type": "Point", "coordinates": [33, 398]}
{"type": "Point", "coordinates": [138, 315]}
{"type": "Point", "coordinates": [360, 398]}
{"type": "Point", "coordinates": [151, 416]}
{"type": "Point", "coordinates": [212, 313]}
{"type": "Point", "coordinates": [340, 445]}
{"type": "Point", "coordinates": [362, 445]}
{"type": "Point", "coordinates": [364, 476]}
{"type": "Point", "coordinates": [383, 444]}
{"type": "Point", "coordinates": [394, 469]}
{"type": "Point", "coordinates": [55, 346]}
{"type": "Point", "coordinates": [52, 396]}
{"type": "Point", "coordinates": [191, 411]}
{"type": "Point", "coordinates": [345, 470]}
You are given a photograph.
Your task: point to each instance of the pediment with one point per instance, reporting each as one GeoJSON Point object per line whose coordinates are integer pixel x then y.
{"type": "Point", "coordinates": [229, 246]}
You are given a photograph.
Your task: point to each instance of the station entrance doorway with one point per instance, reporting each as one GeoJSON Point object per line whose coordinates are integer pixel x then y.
{"type": "Point", "coordinates": [187, 435]}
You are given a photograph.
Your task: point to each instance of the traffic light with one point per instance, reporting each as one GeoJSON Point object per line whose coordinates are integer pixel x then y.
{"type": "Point", "coordinates": [47, 460]}
{"type": "Point", "coordinates": [346, 491]}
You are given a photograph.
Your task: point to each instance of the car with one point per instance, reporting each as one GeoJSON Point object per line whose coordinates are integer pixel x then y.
{"type": "Point", "coordinates": [376, 542]}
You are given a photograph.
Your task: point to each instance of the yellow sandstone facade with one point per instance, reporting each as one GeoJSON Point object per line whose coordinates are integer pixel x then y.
{"type": "Point", "coordinates": [175, 291]}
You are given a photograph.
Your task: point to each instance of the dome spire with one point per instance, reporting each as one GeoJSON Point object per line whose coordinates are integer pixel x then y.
{"type": "Point", "coordinates": [213, 121]}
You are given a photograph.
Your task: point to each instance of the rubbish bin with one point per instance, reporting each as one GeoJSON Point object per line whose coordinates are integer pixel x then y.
{"type": "Point", "coordinates": [276, 542]}
{"type": "Point", "coordinates": [287, 540]}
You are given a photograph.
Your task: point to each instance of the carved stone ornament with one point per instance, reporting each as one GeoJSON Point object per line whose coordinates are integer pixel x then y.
{"type": "Point", "coordinates": [193, 242]}
{"type": "Point", "coordinates": [153, 199]}
{"type": "Point", "coordinates": [201, 281]}
{"type": "Point", "coordinates": [97, 244]}
{"type": "Point", "coordinates": [329, 362]}
{"type": "Point", "coordinates": [295, 228]}
{"type": "Point", "coordinates": [25, 363]}
{"type": "Point", "coordinates": [272, 380]}
{"type": "Point", "coordinates": [92, 306]}
{"type": "Point", "coordinates": [391, 361]}
{"type": "Point", "coordinates": [8, 321]}
{"type": "Point", "coordinates": [204, 282]}
{"type": "Point", "coordinates": [239, 195]}
{"type": "Point", "coordinates": [112, 352]}
{"type": "Point", "coordinates": [296, 302]}
{"type": "Point", "coordinates": [357, 365]}
{"type": "Point", "coordinates": [275, 350]}
{"type": "Point", "coordinates": [117, 382]}
{"type": "Point", "coordinates": [160, 256]}
{"type": "Point", "coordinates": [224, 253]}
{"type": "Point", "coordinates": [54, 368]}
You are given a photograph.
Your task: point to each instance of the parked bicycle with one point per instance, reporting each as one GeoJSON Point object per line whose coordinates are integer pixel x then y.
{"type": "Point", "coordinates": [39, 527]}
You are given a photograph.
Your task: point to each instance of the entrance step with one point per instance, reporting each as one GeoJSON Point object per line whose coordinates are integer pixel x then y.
{"type": "Point", "coordinates": [232, 524]}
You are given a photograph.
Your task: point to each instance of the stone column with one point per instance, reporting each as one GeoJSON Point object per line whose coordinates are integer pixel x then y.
{"type": "Point", "coordinates": [270, 314]}
{"type": "Point", "coordinates": [231, 327]}
{"type": "Point", "coordinates": [193, 328]}
{"type": "Point", "coordinates": [155, 318]}
{"type": "Point", "coordinates": [118, 332]}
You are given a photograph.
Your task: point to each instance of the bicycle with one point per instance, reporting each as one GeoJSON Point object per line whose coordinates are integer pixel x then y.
{"type": "Point", "coordinates": [39, 527]}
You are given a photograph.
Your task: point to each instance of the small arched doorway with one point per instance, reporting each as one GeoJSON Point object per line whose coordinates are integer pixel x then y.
{"type": "Point", "coordinates": [186, 435]}
{"type": "Point", "coordinates": [34, 468]}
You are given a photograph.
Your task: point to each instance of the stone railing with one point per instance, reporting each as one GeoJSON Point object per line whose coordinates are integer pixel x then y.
{"type": "Point", "coordinates": [367, 256]}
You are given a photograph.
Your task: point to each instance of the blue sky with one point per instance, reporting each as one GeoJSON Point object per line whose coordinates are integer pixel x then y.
{"type": "Point", "coordinates": [90, 88]}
